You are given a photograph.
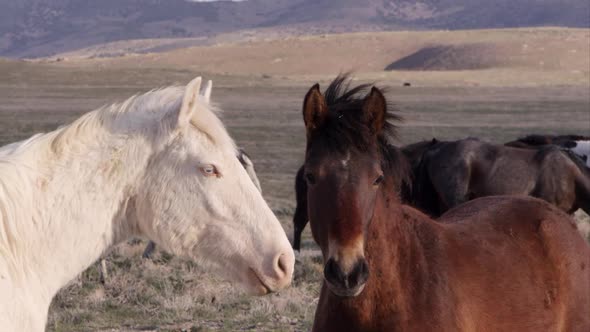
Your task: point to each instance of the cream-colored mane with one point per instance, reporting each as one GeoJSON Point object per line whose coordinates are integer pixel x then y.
{"type": "Point", "coordinates": [68, 195]}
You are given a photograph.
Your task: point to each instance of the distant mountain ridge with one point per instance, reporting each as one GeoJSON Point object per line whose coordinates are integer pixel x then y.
{"type": "Point", "coordinates": [33, 28]}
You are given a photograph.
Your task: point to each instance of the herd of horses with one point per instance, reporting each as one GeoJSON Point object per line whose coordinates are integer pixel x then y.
{"type": "Point", "coordinates": [433, 236]}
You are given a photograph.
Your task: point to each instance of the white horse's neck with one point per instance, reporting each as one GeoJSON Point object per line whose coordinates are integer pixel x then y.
{"type": "Point", "coordinates": [64, 197]}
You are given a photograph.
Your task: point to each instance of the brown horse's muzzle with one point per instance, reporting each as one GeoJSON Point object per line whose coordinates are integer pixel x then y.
{"type": "Point", "coordinates": [346, 284]}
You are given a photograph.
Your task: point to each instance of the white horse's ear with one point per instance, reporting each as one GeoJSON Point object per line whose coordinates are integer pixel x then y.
{"type": "Point", "coordinates": [207, 92]}
{"type": "Point", "coordinates": [189, 102]}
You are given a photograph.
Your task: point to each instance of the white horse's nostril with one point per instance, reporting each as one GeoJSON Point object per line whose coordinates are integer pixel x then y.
{"type": "Point", "coordinates": [284, 266]}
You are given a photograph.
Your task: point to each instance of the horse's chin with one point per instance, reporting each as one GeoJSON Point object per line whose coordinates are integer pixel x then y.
{"type": "Point", "coordinates": [246, 279]}
{"type": "Point", "coordinates": [346, 292]}
{"type": "Point", "coordinates": [254, 284]}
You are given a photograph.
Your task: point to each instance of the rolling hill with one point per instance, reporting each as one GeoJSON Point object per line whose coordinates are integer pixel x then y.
{"type": "Point", "coordinates": [537, 49]}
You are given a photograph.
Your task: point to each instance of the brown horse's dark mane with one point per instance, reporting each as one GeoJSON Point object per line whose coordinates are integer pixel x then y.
{"type": "Point", "coordinates": [345, 128]}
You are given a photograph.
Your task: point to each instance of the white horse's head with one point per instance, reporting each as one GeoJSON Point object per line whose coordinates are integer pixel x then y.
{"type": "Point", "coordinates": [196, 199]}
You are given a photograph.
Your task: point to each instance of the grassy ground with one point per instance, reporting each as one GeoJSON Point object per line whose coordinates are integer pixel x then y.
{"type": "Point", "coordinates": [171, 294]}
{"type": "Point", "coordinates": [263, 115]}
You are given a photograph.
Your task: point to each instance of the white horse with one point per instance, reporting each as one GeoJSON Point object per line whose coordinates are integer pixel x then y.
{"type": "Point", "coordinates": [161, 166]}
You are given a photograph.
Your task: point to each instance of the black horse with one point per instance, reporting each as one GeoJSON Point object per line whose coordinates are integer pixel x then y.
{"type": "Point", "coordinates": [578, 144]}
{"type": "Point", "coordinates": [300, 218]}
{"type": "Point", "coordinates": [535, 141]}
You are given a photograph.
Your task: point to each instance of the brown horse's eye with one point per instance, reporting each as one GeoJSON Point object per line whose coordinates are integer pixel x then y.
{"type": "Point", "coordinates": [378, 180]}
{"type": "Point", "coordinates": [310, 178]}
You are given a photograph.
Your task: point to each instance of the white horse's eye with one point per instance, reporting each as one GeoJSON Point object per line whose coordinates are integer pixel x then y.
{"type": "Point", "coordinates": [209, 170]}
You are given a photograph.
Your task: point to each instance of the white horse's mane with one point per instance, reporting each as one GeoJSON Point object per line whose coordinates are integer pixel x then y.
{"type": "Point", "coordinates": [137, 113]}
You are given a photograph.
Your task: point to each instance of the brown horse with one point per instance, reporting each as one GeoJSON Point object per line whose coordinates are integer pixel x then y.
{"type": "Point", "coordinates": [494, 264]}
{"type": "Point", "coordinates": [450, 173]}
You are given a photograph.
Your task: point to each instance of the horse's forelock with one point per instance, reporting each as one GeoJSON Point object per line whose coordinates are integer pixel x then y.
{"type": "Point", "coordinates": [345, 129]}
{"type": "Point", "coordinates": [345, 126]}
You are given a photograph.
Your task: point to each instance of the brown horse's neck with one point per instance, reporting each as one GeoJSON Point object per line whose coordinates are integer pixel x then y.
{"type": "Point", "coordinates": [399, 277]}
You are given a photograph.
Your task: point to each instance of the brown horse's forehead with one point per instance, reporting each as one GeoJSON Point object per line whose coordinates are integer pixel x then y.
{"type": "Point", "coordinates": [338, 160]}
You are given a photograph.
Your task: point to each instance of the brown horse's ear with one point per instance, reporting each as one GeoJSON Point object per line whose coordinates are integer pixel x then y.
{"type": "Point", "coordinates": [374, 108]}
{"type": "Point", "coordinates": [314, 108]}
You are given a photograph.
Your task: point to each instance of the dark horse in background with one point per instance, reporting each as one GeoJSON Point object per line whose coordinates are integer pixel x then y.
{"type": "Point", "coordinates": [447, 174]}
{"type": "Point", "coordinates": [535, 140]}
{"type": "Point", "coordinates": [501, 263]}
{"type": "Point", "coordinates": [300, 218]}
{"type": "Point", "coordinates": [578, 144]}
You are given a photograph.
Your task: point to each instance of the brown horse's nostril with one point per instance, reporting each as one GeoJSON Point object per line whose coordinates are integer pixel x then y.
{"type": "Point", "coordinates": [333, 273]}
{"type": "Point", "coordinates": [359, 274]}
{"type": "Point", "coordinates": [356, 277]}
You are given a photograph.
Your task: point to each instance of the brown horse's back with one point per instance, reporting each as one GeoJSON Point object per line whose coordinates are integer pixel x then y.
{"type": "Point", "coordinates": [517, 264]}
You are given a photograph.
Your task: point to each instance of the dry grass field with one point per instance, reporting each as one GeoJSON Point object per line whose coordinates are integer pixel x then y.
{"type": "Point", "coordinates": [260, 85]}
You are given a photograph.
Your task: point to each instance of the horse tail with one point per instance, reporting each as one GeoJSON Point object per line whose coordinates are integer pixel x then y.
{"type": "Point", "coordinates": [300, 217]}
{"type": "Point", "coordinates": [582, 181]}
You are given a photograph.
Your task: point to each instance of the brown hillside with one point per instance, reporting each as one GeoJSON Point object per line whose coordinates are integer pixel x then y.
{"type": "Point", "coordinates": [453, 57]}
{"type": "Point", "coordinates": [542, 49]}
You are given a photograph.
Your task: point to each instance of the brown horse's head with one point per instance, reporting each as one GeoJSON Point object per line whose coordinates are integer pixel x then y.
{"type": "Point", "coordinates": [345, 168]}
